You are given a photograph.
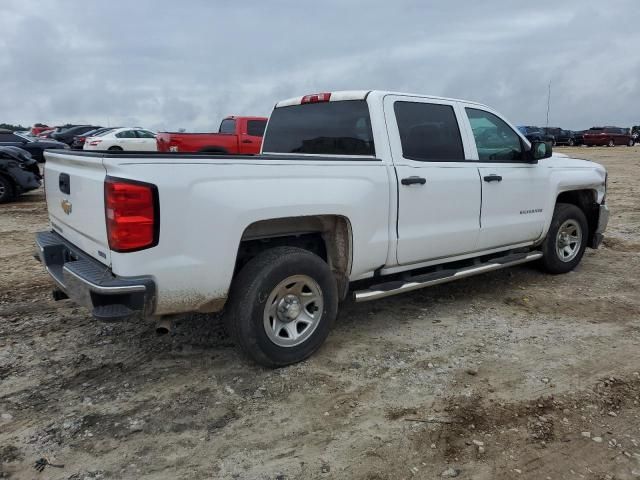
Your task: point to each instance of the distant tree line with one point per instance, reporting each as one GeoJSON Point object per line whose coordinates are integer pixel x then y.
{"type": "Point", "coordinates": [13, 128]}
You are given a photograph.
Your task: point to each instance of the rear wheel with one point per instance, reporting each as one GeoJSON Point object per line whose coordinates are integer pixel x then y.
{"type": "Point", "coordinates": [572, 142]}
{"type": "Point", "coordinates": [282, 306]}
{"type": "Point", "coordinates": [7, 192]}
{"type": "Point", "coordinates": [566, 240]}
{"type": "Point", "coordinates": [612, 143]}
{"type": "Point", "coordinates": [631, 143]}
{"type": "Point", "coordinates": [115, 148]}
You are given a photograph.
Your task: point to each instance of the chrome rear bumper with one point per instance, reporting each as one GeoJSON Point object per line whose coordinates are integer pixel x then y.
{"type": "Point", "coordinates": [92, 284]}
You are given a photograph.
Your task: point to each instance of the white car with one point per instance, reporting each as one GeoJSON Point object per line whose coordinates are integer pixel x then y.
{"type": "Point", "coordinates": [364, 193]}
{"type": "Point", "coordinates": [132, 139]}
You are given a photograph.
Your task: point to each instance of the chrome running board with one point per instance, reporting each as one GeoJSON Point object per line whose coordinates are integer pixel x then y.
{"type": "Point", "coordinates": [395, 287]}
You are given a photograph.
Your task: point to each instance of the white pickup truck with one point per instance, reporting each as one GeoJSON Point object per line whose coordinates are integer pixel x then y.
{"type": "Point", "coordinates": [362, 193]}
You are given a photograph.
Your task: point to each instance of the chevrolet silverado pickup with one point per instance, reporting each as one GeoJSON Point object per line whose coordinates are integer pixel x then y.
{"type": "Point", "coordinates": [361, 194]}
{"type": "Point", "coordinates": [236, 135]}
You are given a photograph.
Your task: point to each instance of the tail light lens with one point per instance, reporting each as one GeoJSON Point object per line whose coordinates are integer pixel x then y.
{"type": "Point", "coordinates": [316, 98]}
{"type": "Point", "coordinates": [132, 214]}
{"type": "Point", "coordinates": [95, 142]}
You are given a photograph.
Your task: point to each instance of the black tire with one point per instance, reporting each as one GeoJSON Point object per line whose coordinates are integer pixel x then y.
{"type": "Point", "coordinates": [551, 260]}
{"type": "Point", "coordinates": [631, 143]}
{"type": "Point", "coordinates": [256, 283]}
{"type": "Point", "coordinates": [115, 148]}
{"type": "Point", "coordinates": [213, 151]}
{"type": "Point", "coordinates": [572, 142]}
{"type": "Point", "coordinates": [611, 143]}
{"type": "Point", "coordinates": [7, 190]}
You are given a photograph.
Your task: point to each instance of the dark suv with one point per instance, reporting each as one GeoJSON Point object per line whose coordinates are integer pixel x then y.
{"type": "Point", "coordinates": [609, 136]}
{"type": "Point", "coordinates": [536, 134]}
{"type": "Point", "coordinates": [565, 137]}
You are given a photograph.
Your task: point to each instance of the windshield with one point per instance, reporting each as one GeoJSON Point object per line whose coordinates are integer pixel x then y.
{"type": "Point", "coordinates": [22, 135]}
{"type": "Point", "coordinates": [326, 128]}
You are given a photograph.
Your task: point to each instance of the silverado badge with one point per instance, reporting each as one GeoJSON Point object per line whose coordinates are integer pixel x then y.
{"type": "Point", "coordinates": [66, 206]}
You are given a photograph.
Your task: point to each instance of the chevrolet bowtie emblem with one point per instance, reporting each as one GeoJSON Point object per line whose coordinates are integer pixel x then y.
{"type": "Point", "coordinates": [66, 206]}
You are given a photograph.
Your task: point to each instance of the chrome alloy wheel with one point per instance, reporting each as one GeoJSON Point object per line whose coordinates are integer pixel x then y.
{"type": "Point", "coordinates": [568, 240]}
{"type": "Point", "coordinates": [293, 311]}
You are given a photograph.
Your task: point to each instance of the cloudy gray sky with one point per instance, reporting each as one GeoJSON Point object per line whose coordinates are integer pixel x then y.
{"type": "Point", "coordinates": [167, 64]}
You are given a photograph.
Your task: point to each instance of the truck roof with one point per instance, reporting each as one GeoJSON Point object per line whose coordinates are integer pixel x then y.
{"type": "Point", "coordinates": [342, 95]}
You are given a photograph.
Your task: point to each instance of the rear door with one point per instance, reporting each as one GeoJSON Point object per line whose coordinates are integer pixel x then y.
{"type": "Point", "coordinates": [514, 192]}
{"type": "Point", "coordinates": [127, 140]}
{"type": "Point", "coordinates": [438, 189]}
{"type": "Point", "coordinates": [146, 141]}
{"type": "Point", "coordinates": [74, 189]}
{"type": "Point", "coordinates": [250, 135]}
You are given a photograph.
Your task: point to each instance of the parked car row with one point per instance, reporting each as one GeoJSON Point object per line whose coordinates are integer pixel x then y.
{"type": "Point", "coordinates": [34, 145]}
{"type": "Point", "coordinates": [236, 135]}
{"type": "Point", "coordinates": [595, 136]}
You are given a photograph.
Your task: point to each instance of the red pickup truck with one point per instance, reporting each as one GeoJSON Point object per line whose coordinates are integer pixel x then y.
{"type": "Point", "coordinates": [236, 135]}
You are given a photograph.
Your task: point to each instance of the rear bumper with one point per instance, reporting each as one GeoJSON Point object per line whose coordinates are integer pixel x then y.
{"type": "Point", "coordinates": [92, 284]}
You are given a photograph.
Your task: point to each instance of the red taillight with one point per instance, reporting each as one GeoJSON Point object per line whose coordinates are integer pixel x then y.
{"type": "Point", "coordinates": [315, 98]}
{"type": "Point", "coordinates": [95, 142]}
{"type": "Point", "coordinates": [132, 214]}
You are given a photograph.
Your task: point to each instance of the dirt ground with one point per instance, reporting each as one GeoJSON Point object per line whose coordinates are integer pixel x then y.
{"type": "Point", "coordinates": [514, 374]}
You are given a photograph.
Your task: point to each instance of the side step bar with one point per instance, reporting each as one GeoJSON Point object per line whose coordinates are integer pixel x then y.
{"type": "Point", "coordinates": [395, 287]}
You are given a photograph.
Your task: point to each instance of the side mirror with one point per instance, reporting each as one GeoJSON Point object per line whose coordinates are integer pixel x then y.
{"type": "Point", "coordinates": [540, 150]}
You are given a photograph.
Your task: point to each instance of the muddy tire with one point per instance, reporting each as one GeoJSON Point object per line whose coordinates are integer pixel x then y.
{"type": "Point", "coordinates": [7, 191]}
{"type": "Point", "coordinates": [566, 240]}
{"type": "Point", "coordinates": [282, 306]}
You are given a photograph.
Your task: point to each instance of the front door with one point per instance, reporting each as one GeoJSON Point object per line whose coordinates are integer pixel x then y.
{"type": "Point", "coordinates": [251, 136]}
{"type": "Point", "coordinates": [514, 192]}
{"type": "Point", "coordinates": [438, 189]}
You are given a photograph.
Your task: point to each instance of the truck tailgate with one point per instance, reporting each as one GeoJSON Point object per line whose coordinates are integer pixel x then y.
{"type": "Point", "coordinates": [74, 189]}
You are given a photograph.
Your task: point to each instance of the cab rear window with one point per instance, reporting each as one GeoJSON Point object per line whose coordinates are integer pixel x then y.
{"type": "Point", "coordinates": [325, 128]}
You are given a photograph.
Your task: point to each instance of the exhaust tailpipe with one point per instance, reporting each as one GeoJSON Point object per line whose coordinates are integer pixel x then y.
{"type": "Point", "coordinates": [164, 326]}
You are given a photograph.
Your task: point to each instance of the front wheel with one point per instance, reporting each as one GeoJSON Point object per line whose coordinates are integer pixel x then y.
{"type": "Point", "coordinates": [566, 239]}
{"type": "Point", "coordinates": [631, 143]}
{"type": "Point", "coordinates": [282, 306]}
{"type": "Point", "coordinates": [572, 142]}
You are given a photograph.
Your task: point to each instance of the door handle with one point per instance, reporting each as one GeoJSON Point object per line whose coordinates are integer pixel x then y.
{"type": "Point", "coordinates": [492, 178]}
{"type": "Point", "coordinates": [247, 141]}
{"type": "Point", "coordinates": [413, 181]}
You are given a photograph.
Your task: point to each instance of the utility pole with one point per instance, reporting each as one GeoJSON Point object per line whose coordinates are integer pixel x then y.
{"type": "Point", "coordinates": [548, 103]}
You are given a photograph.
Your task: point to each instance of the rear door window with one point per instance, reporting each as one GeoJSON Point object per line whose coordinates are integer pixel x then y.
{"type": "Point", "coordinates": [145, 134]}
{"type": "Point", "coordinates": [429, 132]}
{"type": "Point", "coordinates": [126, 134]}
{"type": "Point", "coordinates": [228, 125]}
{"type": "Point", "coordinates": [325, 128]}
{"type": "Point", "coordinates": [495, 139]}
{"type": "Point", "coordinates": [256, 128]}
